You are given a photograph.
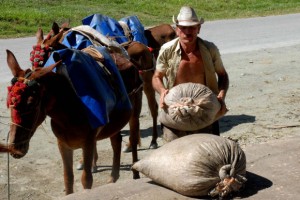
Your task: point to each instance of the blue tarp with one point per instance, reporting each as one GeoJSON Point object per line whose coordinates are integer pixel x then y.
{"type": "Point", "coordinates": [136, 28]}
{"type": "Point", "coordinates": [110, 27]}
{"type": "Point", "coordinates": [106, 26]}
{"type": "Point", "coordinates": [99, 92]}
{"type": "Point", "coordinates": [76, 40]}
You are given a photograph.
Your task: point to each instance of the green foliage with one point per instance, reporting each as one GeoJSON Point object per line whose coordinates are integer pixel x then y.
{"type": "Point", "coordinates": [19, 18]}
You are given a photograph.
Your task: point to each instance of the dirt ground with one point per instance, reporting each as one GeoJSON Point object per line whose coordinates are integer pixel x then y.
{"type": "Point", "coordinates": [263, 98]}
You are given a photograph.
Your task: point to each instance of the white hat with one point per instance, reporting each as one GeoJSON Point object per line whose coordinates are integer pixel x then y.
{"type": "Point", "coordinates": [187, 17]}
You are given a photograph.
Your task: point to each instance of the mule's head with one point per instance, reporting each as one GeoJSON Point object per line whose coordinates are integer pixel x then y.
{"type": "Point", "coordinates": [42, 50]}
{"type": "Point", "coordinates": [25, 100]}
{"type": "Point", "coordinates": [159, 35]}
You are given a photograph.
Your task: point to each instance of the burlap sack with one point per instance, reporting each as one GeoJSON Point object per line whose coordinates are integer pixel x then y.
{"type": "Point", "coordinates": [192, 165]}
{"type": "Point", "coordinates": [190, 107]}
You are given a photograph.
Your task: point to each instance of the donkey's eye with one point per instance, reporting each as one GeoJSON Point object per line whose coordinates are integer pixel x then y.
{"type": "Point", "coordinates": [30, 100]}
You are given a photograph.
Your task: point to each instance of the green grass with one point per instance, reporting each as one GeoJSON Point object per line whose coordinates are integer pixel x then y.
{"type": "Point", "coordinates": [19, 18]}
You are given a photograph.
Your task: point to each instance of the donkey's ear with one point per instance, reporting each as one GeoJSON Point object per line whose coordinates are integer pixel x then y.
{"type": "Point", "coordinates": [44, 70]}
{"type": "Point", "coordinates": [55, 28]}
{"type": "Point", "coordinates": [58, 36]}
{"type": "Point", "coordinates": [65, 25]}
{"type": "Point", "coordinates": [39, 36]}
{"type": "Point", "coordinates": [13, 64]}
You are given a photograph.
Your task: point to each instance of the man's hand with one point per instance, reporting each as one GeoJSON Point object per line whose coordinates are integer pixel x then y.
{"type": "Point", "coordinates": [223, 110]}
{"type": "Point", "coordinates": [163, 94]}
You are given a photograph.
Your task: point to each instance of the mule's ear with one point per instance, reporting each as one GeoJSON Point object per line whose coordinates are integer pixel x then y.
{"type": "Point", "coordinates": [55, 28]}
{"type": "Point", "coordinates": [39, 36]}
{"type": "Point", "coordinates": [58, 36]}
{"type": "Point", "coordinates": [45, 70]}
{"type": "Point", "coordinates": [65, 25]}
{"type": "Point", "coordinates": [13, 64]}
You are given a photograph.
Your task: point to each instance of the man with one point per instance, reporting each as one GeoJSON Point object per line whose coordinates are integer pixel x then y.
{"type": "Point", "coordinates": [188, 58]}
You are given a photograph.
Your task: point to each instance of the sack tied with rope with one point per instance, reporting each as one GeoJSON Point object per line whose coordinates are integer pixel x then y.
{"type": "Point", "coordinates": [190, 107]}
{"type": "Point", "coordinates": [197, 165]}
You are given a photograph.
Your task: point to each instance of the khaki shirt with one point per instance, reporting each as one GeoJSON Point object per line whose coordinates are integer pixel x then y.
{"type": "Point", "coordinates": [170, 55]}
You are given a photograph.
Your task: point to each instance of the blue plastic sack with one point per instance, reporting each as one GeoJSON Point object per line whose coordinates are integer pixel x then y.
{"type": "Point", "coordinates": [106, 26]}
{"type": "Point", "coordinates": [76, 40]}
{"type": "Point", "coordinates": [100, 93]}
{"type": "Point", "coordinates": [136, 28]}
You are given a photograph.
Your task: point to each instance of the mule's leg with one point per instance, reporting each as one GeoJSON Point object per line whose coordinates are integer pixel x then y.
{"type": "Point", "coordinates": [67, 157]}
{"type": "Point", "coordinates": [88, 155]}
{"type": "Point", "coordinates": [134, 125]}
{"type": "Point", "coordinates": [150, 94]}
{"type": "Point", "coordinates": [80, 165]}
{"type": "Point", "coordinates": [116, 143]}
{"type": "Point", "coordinates": [117, 121]}
{"type": "Point", "coordinates": [94, 164]}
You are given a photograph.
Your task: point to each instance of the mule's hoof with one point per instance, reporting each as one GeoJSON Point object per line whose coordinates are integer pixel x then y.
{"type": "Point", "coordinates": [112, 179]}
{"type": "Point", "coordinates": [94, 169]}
{"type": "Point", "coordinates": [127, 149]}
{"type": "Point", "coordinates": [136, 176]}
{"type": "Point", "coordinates": [79, 166]}
{"type": "Point", "coordinates": [153, 145]}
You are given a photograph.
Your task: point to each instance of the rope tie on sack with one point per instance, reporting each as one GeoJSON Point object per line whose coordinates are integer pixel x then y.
{"type": "Point", "coordinates": [230, 181]}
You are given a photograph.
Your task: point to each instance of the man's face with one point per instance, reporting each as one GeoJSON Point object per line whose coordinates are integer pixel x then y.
{"type": "Point", "coordinates": [188, 34]}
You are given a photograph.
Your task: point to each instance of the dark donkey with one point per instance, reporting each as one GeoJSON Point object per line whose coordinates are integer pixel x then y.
{"type": "Point", "coordinates": [142, 58]}
{"type": "Point", "coordinates": [4, 148]}
{"type": "Point", "coordinates": [38, 93]}
{"type": "Point", "coordinates": [129, 74]}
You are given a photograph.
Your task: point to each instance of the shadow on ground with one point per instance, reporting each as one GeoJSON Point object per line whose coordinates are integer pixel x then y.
{"type": "Point", "coordinates": [254, 184]}
{"type": "Point", "coordinates": [229, 121]}
{"type": "Point", "coordinates": [226, 123]}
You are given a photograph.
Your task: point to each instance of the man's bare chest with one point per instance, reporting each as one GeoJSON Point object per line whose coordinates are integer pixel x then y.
{"type": "Point", "coordinates": [191, 69]}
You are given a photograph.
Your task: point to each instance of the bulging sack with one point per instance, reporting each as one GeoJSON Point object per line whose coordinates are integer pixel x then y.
{"type": "Point", "coordinates": [190, 107]}
{"type": "Point", "coordinates": [197, 165]}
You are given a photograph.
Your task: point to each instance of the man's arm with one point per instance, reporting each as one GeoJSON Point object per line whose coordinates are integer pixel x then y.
{"type": "Point", "coordinates": [223, 84]}
{"type": "Point", "coordinates": [157, 83]}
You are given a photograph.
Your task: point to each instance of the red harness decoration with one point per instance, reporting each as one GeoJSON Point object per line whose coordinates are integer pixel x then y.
{"type": "Point", "coordinates": [14, 98]}
{"type": "Point", "coordinates": [39, 55]}
{"type": "Point", "coordinates": [150, 49]}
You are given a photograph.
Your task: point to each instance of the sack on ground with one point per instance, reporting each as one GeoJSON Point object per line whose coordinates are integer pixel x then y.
{"type": "Point", "coordinates": [197, 165]}
{"type": "Point", "coordinates": [190, 107]}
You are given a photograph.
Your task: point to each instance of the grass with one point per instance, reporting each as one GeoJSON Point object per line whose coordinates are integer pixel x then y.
{"type": "Point", "coordinates": [20, 18]}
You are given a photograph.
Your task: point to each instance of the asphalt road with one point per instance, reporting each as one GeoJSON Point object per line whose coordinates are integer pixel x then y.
{"type": "Point", "coordinates": [231, 36]}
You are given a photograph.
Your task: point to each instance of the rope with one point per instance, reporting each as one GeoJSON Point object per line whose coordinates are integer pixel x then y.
{"type": "Point", "coordinates": [8, 172]}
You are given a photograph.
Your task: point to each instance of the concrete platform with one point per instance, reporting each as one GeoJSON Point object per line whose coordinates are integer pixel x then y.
{"type": "Point", "coordinates": [273, 172]}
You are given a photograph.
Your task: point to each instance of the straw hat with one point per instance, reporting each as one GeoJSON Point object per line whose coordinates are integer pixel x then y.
{"type": "Point", "coordinates": [187, 17]}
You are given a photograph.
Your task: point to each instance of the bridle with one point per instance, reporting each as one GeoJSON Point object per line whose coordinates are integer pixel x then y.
{"type": "Point", "coordinates": [11, 104]}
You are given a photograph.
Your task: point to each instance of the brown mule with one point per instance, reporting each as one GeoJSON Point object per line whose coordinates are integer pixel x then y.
{"type": "Point", "coordinates": [159, 35]}
{"type": "Point", "coordinates": [144, 58]}
{"type": "Point", "coordinates": [131, 79]}
{"type": "Point", "coordinates": [7, 149]}
{"type": "Point", "coordinates": [40, 93]}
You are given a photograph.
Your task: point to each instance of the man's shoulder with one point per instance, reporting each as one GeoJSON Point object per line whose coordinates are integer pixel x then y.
{"type": "Point", "coordinates": [207, 44]}
{"type": "Point", "coordinates": [171, 44]}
